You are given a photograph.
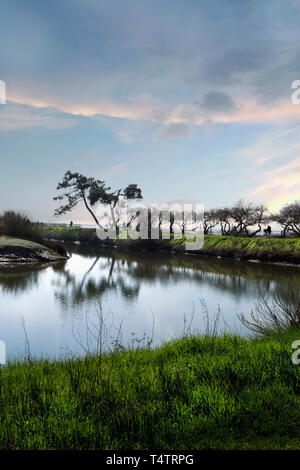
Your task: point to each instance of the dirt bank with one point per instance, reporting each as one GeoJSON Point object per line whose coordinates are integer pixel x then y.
{"type": "Point", "coordinates": [13, 250]}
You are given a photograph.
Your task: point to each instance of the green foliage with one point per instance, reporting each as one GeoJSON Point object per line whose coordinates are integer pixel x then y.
{"type": "Point", "coordinates": [195, 393]}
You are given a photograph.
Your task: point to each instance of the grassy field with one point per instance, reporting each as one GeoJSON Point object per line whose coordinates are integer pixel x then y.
{"type": "Point", "coordinates": [260, 248]}
{"type": "Point", "coordinates": [194, 393]}
{"type": "Point", "coordinates": [71, 234]}
{"type": "Point", "coordinates": [265, 249]}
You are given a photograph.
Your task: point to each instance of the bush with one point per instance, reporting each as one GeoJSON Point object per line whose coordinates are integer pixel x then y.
{"type": "Point", "coordinates": [19, 225]}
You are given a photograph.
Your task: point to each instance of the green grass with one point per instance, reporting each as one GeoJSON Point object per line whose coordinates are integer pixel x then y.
{"type": "Point", "coordinates": [259, 248]}
{"type": "Point", "coordinates": [263, 249]}
{"type": "Point", "coordinates": [193, 393]}
{"type": "Point", "coordinates": [17, 242]}
{"type": "Point", "coordinates": [71, 234]}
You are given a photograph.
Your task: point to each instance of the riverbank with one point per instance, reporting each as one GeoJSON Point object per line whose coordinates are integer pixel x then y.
{"type": "Point", "coordinates": [276, 250]}
{"type": "Point", "coordinates": [15, 250]}
{"type": "Point", "coordinates": [260, 248]}
{"type": "Point", "coordinates": [194, 393]}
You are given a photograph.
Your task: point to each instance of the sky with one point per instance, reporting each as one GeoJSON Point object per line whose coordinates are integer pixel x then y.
{"type": "Point", "coordinates": [189, 99]}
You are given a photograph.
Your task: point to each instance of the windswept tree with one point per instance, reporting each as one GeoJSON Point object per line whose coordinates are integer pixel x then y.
{"type": "Point", "coordinates": [246, 215]}
{"type": "Point", "coordinates": [225, 221]}
{"type": "Point", "coordinates": [112, 199]}
{"type": "Point", "coordinates": [289, 218]}
{"type": "Point", "coordinates": [258, 217]}
{"type": "Point", "coordinates": [79, 188]}
{"type": "Point", "coordinates": [210, 220]}
{"type": "Point", "coordinates": [239, 219]}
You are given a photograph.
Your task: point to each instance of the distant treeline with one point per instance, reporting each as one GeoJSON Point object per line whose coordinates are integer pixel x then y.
{"type": "Point", "coordinates": [240, 219]}
{"type": "Point", "coordinates": [249, 219]}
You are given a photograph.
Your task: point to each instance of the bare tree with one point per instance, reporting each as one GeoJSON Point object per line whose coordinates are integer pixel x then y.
{"type": "Point", "coordinates": [210, 220]}
{"type": "Point", "coordinates": [225, 221]}
{"type": "Point", "coordinates": [238, 219]}
{"type": "Point", "coordinates": [289, 218]}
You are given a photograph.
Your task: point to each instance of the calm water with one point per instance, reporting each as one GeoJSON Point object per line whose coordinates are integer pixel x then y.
{"type": "Point", "coordinates": [59, 304]}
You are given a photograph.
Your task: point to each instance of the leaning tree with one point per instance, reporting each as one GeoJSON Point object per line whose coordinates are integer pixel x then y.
{"type": "Point", "coordinates": [79, 188]}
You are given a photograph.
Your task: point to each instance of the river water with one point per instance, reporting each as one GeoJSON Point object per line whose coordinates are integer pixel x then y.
{"type": "Point", "coordinates": [103, 298]}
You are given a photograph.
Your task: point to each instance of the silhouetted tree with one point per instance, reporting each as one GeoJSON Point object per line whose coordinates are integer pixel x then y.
{"type": "Point", "coordinates": [289, 218]}
{"type": "Point", "coordinates": [210, 220]}
{"type": "Point", "coordinates": [79, 188]}
{"type": "Point", "coordinates": [238, 219]}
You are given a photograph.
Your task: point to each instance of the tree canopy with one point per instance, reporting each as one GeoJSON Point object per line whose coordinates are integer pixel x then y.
{"type": "Point", "coordinates": [79, 188]}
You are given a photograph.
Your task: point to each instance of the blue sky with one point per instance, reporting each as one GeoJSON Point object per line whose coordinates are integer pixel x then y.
{"type": "Point", "coordinates": [189, 99]}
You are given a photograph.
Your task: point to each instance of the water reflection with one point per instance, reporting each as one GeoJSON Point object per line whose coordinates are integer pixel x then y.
{"type": "Point", "coordinates": [132, 284]}
{"type": "Point", "coordinates": [127, 271]}
{"type": "Point", "coordinates": [16, 279]}
{"type": "Point", "coordinates": [102, 275]}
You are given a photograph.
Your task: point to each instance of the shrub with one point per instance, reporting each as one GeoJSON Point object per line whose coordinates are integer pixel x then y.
{"type": "Point", "coordinates": [19, 225]}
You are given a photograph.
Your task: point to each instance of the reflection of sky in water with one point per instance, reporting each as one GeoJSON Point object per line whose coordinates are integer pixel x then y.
{"type": "Point", "coordinates": [55, 301]}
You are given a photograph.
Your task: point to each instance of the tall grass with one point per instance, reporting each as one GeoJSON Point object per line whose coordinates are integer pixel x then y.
{"type": "Point", "coordinates": [198, 392]}
{"type": "Point", "coordinates": [277, 315]}
{"type": "Point", "coordinates": [264, 249]}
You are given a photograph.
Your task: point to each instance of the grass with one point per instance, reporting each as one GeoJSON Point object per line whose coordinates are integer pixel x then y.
{"type": "Point", "coordinates": [17, 242]}
{"type": "Point", "coordinates": [274, 249]}
{"type": "Point", "coordinates": [71, 234]}
{"type": "Point", "coordinates": [194, 393]}
{"type": "Point", "coordinates": [264, 249]}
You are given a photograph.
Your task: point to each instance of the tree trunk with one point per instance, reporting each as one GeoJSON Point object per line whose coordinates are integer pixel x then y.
{"type": "Point", "coordinates": [89, 209]}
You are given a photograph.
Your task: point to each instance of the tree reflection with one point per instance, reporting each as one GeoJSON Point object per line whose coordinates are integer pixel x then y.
{"type": "Point", "coordinates": [125, 272]}
{"type": "Point", "coordinates": [73, 290]}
